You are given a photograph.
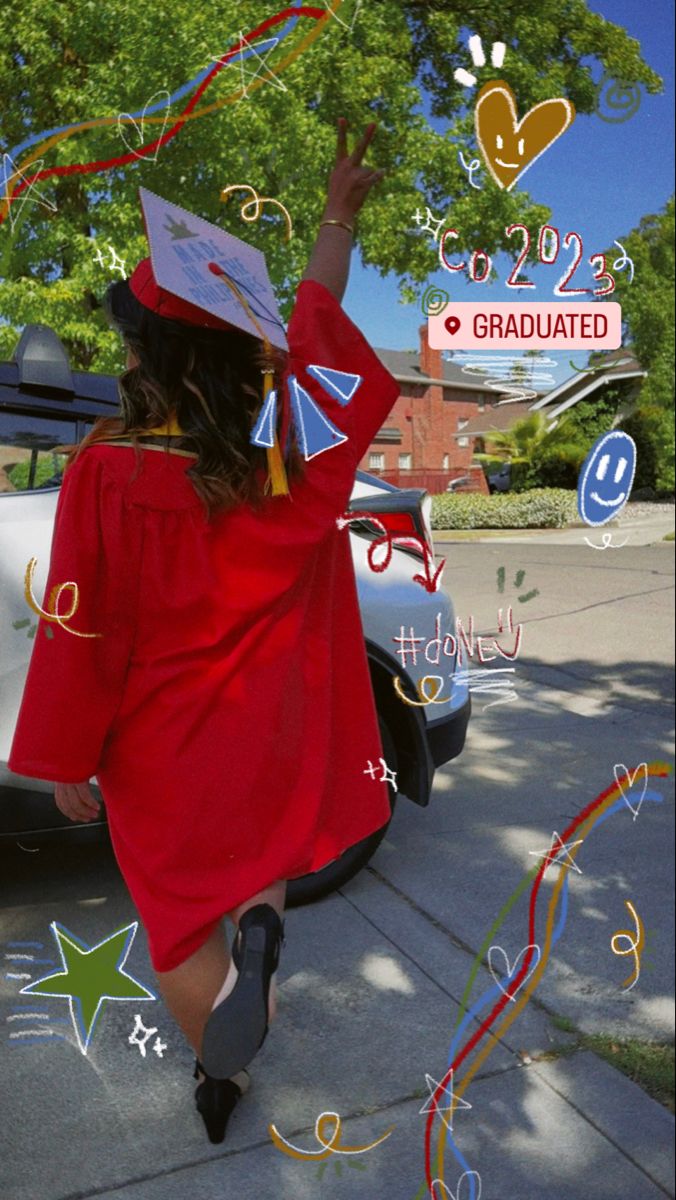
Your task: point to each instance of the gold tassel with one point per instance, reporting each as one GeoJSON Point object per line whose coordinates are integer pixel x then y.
{"type": "Point", "coordinates": [277, 471]}
{"type": "Point", "coordinates": [277, 479]}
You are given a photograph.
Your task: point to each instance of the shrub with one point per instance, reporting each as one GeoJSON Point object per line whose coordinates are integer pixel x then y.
{"type": "Point", "coordinates": [544, 508]}
{"type": "Point", "coordinates": [559, 467]}
{"type": "Point", "coordinates": [490, 463]}
{"type": "Point", "coordinates": [652, 429]}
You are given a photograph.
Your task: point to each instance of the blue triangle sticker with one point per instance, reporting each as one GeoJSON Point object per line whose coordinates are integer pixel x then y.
{"type": "Point", "coordinates": [342, 385]}
{"type": "Point", "coordinates": [314, 431]}
{"type": "Point", "coordinates": [263, 432]}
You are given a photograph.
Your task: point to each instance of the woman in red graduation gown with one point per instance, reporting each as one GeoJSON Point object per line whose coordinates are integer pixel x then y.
{"type": "Point", "coordinates": [225, 707]}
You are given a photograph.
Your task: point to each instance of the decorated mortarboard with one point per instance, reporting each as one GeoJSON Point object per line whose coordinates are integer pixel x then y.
{"type": "Point", "coordinates": [211, 270]}
{"type": "Point", "coordinates": [203, 276]}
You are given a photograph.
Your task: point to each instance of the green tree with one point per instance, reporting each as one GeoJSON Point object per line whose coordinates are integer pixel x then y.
{"type": "Point", "coordinates": [62, 63]}
{"type": "Point", "coordinates": [648, 303]}
{"type": "Point", "coordinates": [648, 311]}
{"type": "Point", "coordinates": [541, 457]}
{"type": "Point", "coordinates": [528, 436]}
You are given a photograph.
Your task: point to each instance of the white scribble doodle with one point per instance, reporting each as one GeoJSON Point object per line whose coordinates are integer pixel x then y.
{"type": "Point", "coordinates": [471, 167]}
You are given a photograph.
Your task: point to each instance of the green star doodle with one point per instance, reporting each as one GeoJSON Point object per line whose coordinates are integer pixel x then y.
{"type": "Point", "coordinates": [90, 976]}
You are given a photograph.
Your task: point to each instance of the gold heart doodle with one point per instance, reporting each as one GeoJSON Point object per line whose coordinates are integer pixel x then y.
{"type": "Point", "coordinates": [510, 146]}
{"type": "Point", "coordinates": [52, 613]}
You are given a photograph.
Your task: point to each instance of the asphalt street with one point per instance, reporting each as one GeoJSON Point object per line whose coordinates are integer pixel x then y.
{"type": "Point", "coordinates": [372, 979]}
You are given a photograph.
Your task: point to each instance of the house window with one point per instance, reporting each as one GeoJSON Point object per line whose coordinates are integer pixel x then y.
{"type": "Point", "coordinates": [405, 462]}
{"type": "Point", "coordinates": [463, 441]}
{"type": "Point", "coordinates": [463, 422]}
{"type": "Point", "coordinates": [445, 463]}
{"type": "Point", "coordinates": [376, 462]}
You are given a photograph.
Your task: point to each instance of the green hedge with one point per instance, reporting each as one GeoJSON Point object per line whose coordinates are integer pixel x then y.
{"type": "Point", "coordinates": [541, 508]}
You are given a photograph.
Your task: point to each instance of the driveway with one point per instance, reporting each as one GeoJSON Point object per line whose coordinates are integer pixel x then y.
{"type": "Point", "coordinates": [375, 979]}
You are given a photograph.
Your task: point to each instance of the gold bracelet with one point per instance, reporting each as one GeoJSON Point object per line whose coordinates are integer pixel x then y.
{"type": "Point", "coordinates": [342, 224]}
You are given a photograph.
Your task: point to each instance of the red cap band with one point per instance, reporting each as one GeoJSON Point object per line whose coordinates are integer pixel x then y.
{"type": "Point", "coordinates": [147, 291]}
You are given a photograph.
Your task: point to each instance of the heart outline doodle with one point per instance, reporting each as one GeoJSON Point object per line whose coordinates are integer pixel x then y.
{"type": "Point", "coordinates": [512, 969]}
{"type": "Point", "coordinates": [140, 128]}
{"type": "Point", "coordinates": [631, 778]}
{"type": "Point", "coordinates": [498, 87]}
{"type": "Point", "coordinates": [449, 1194]}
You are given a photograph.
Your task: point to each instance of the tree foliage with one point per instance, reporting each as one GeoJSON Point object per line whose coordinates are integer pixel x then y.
{"type": "Point", "coordinates": [648, 303]}
{"type": "Point", "coordinates": [63, 63]}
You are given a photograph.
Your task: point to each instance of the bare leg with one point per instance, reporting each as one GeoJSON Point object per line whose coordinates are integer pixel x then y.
{"type": "Point", "coordinates": [189, 990]}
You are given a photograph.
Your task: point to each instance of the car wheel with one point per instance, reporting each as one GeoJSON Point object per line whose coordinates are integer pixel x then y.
{"type": "Point", "coordinates": [312, 887]}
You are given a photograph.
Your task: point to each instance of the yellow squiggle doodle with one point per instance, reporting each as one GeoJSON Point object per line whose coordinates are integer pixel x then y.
{"type": "Point", "coordinates": [258, 202]}
{"type": "Point", "coordinates": [653, 769]}
{"type": "Point", "coordinates": [421, 685]}
{"type": "Point", "coordinates": [98, 122]}
{"type": "Point", "coordinates": [331, 1146]}
{"type": "Point", "coordinates": [52, 612]}
{"type": "Point", "coordinates": [636, 945]}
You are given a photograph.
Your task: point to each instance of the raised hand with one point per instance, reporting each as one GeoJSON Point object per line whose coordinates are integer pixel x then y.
{"type": "Point", "coordinates": [350, 181]}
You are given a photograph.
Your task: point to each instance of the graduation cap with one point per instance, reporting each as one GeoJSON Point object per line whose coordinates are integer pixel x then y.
{"type": "Point", "coordinates": [201, 275]}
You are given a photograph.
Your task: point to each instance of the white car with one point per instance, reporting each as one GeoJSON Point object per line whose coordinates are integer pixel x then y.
{"type": "Point", "coordinates": [44, 404]}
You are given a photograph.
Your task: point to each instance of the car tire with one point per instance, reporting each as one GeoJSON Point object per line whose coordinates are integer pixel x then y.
{"type": "Point", "coordinates": [308, 888]}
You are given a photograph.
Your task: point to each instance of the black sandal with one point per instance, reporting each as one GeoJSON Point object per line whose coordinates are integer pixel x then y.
{"type": "Point", "coordinates": [238, 1026]}
{"type": "Point", "coordinates": [215, 1100]}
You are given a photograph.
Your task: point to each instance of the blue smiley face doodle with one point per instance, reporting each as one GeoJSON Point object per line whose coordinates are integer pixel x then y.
{"type": "Point", "coordinates": [606, 478]}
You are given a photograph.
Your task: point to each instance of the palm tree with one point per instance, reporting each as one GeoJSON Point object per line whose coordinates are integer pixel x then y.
{"type": "Point", "coordinates": [530, 437]}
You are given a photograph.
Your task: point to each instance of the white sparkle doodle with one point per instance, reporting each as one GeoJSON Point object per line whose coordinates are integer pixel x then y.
{"type": "Point", "coordinates": [429, 222]}
{"type": "Point", "coordinates": [135, 1039]}
{"type": "Point", "coordinates": [387, 776]}
{"type": "Point", "coordinates": [117, 263]}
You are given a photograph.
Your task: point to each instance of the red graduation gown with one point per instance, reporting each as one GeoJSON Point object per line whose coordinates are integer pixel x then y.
{"type": "Point", "coordinates": [227, 710]}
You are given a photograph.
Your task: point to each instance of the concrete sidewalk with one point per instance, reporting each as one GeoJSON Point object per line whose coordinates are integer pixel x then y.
{"type": "Point", "coordinates": [370, 988]}
{"type": "Point", "coordinates": [372, 979]}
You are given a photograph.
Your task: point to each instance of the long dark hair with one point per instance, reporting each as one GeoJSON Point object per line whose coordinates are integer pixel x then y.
{"type": "Point", "coordinates": [210, 379]}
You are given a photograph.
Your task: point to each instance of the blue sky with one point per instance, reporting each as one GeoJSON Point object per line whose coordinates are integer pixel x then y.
{"type": "Point", "coordinates": [598, 179]}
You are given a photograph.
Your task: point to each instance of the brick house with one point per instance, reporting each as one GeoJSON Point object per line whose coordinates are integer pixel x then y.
{"type": "Point", "coordinates": [423, 444]}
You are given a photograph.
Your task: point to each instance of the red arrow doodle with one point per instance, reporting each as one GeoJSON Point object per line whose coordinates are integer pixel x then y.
{"type": "Point", "coordinates": [429, 581]}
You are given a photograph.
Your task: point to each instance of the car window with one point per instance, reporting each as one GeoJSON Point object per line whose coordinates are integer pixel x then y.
{"type": "Point", "coordinates": [31, 457]}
